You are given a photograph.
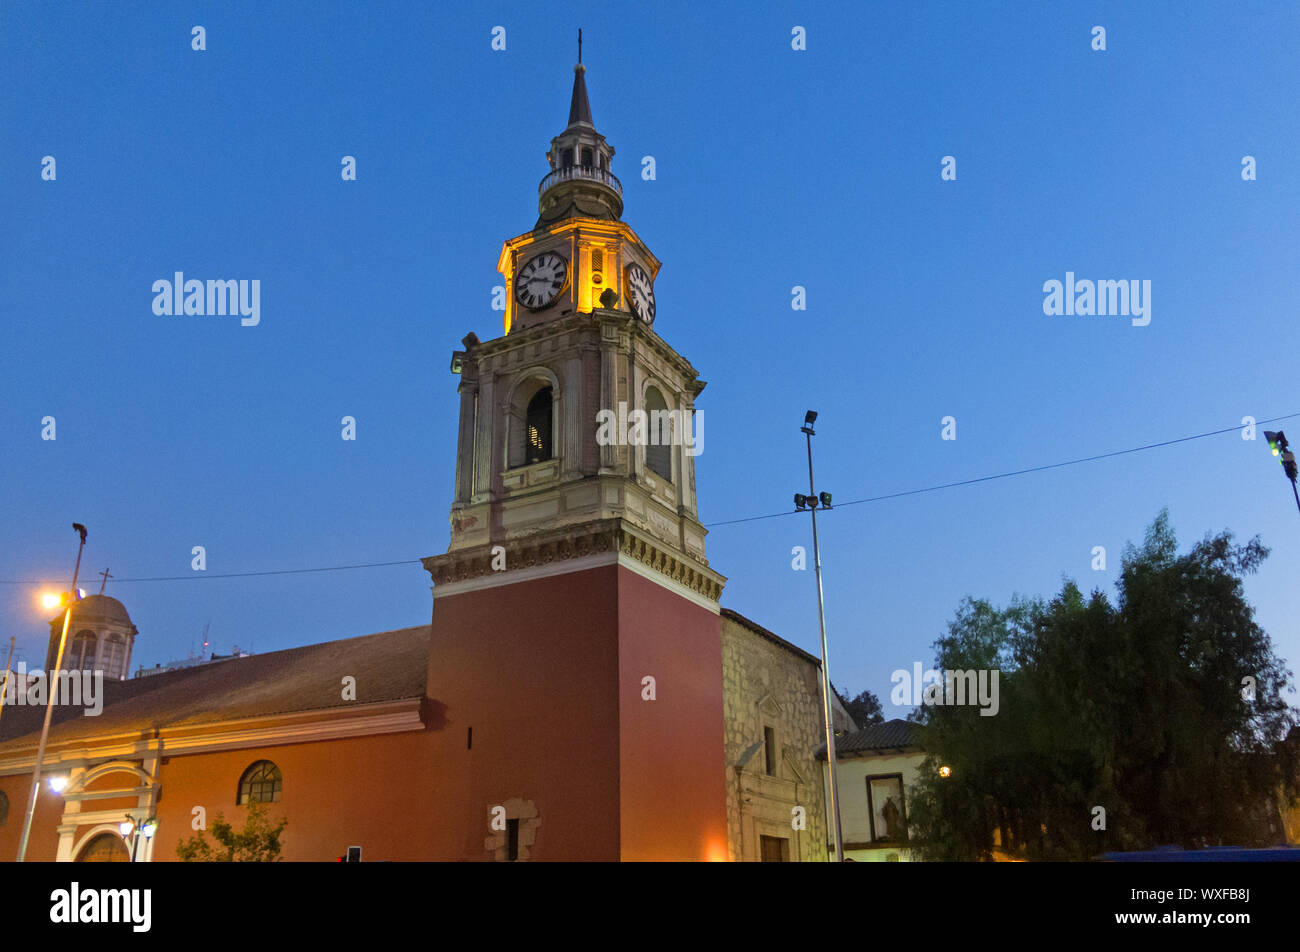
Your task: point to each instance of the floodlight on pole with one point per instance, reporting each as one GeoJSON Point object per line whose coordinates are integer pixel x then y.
{"type": "Point", "coordinates": [811, 501]}
{"type": "Point", "coordinates": [1277, 443]}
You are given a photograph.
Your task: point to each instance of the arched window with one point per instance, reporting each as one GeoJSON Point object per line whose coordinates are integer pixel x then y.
{"type": "Point", "coordinates": [586, 158]}
{"type": "Point", "coordinates": [113, 660]}
{"type": "Point", "coordinates": [260, 784]}
{"type": "Point", "coordinates": [81, 656]}
{"type": "Point", "coordinates": [537, 427]}
{"type": "Point", "coordinates": [4, 807]}
{"type": "Point", "coordinates": [659, 436]}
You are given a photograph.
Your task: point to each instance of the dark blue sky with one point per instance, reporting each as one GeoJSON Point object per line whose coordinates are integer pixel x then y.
{"type": "Point", "coordinates": [775, 168]}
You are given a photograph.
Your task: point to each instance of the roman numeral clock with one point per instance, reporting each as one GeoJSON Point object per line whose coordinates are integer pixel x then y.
{"type": "Point", "coordinates": [541, 280]}
{"type": "Point", "coordinates": [641, 293]}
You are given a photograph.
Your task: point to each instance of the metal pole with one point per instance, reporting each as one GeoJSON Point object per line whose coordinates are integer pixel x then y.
{"type": "Point", "coordinates": [1295, 492]}
{"type": "Point", "coordinates": [5, 690]}
{"type": "Point", "coordinates": [826, 670]}
{"type": "Point", "coordinates": [51, 685]}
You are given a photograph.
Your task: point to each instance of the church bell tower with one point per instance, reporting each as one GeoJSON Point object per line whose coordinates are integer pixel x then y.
{"type": "Point", "coordinates": [576, 668]}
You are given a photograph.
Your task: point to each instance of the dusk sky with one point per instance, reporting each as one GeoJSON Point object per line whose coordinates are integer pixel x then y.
{"type": "Point", "coordinates": [775, 168]}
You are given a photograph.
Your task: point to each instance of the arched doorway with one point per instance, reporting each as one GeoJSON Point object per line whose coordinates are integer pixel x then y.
{"type": "Point", "coordinates": [104, 848]}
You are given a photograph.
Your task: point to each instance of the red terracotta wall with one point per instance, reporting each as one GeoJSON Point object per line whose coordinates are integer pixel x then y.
{"type": "Point", "coordinates": [671, 754]}
{"type": "Point", "coordinates": [42, 846]}
{"type": "Point", "coordinates": [532, 667]}
{"type": "Point", "coordinates": [374, 792]}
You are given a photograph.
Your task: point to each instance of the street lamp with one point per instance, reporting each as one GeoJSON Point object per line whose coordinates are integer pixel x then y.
{"type": "Point", "coordinates": [131, 832]}
{"type": "Point", "coordinates": [49, 708]}
{"type": "Point", "coordinates": [811, 502]}
{"type": "Point", "coordinates": [1277, 443]}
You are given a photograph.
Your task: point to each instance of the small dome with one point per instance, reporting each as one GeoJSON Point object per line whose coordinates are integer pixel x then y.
{"type": "Point", "coordinates": [101, 606]}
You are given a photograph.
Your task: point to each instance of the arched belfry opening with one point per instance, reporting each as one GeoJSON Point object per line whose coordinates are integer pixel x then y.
{"type": "Point", "coordinates": [531, 426]}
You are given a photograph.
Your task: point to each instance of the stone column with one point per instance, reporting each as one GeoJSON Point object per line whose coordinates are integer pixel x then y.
{"type": "Point", "coordinates": [572, 425]}
{"type": "Point", "coordinates": [465, 436]}
{"type": "Point", "coordinates": [485, 427]}
{"type": "Point", "coordinates": [608, 388]}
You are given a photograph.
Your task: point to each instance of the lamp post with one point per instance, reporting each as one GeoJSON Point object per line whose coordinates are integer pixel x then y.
{"type": "Point", "coordinates": [1278, 444]}
{"type": "Point", "coordinates": [132, 831]}
{"type": "Point", "coordinates": [51, 684]}
{"type": "Point", "coordinates": [810, 501]}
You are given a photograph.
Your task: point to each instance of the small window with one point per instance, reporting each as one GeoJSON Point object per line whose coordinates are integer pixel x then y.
{"type": "Point", "coordinates": [769, 749]}
{"type": "Point", "coordinates": [512, 840]}
{"type": "Point", "coordinates": [586, 158]}
{"type": "Point", "coordinates": [537, 427]}
{"type": "Point", "coordinates": [260, 784]}
{"type": "Point", "coordinates": [4, 807]}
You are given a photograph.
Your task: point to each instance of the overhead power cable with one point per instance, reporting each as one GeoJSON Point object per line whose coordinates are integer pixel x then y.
{"type": "Point", "coordinates": [727, 522]}
{"type": "Point", "coordinates": [1017, 472]}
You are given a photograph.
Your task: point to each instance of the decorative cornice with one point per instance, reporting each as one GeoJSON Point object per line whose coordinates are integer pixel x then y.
{"type": "Point", "coordinates": [675, 566]}
{"type": "Point", "coordinates": [576, 542]}
{"type": "Point", "coordinates": [556, 327]}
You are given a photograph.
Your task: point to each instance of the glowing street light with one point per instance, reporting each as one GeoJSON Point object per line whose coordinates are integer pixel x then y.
{"type": "Point", "coordinates": [131, 832]}
{"type": "Point", "coordinates": [58, 784]}
{"type": "Point", "coordinates": [52, 600]}
{"type": "Point", "coordinates": [49, 708]}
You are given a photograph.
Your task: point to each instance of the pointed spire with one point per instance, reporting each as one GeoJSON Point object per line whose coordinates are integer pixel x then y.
{"type": "Point", "coordinates": [579, 106]}
{"type": "Point", "coordinates": [580, 182]}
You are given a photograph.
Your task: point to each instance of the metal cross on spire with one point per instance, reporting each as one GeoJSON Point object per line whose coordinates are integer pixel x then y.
{"type": "Point", "coordinates": [107, 576]}
{"type": "Point", "coordinates": [579, 44]}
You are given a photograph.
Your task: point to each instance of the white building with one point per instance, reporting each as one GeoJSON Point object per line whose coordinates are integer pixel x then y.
{"type": "Point", "coordinates": [876, 769]}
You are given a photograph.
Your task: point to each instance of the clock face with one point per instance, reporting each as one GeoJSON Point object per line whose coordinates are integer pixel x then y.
{"type": "Point", "coordinates": [541, 280]}
{"type": "Point", "coordinates": [641, 293]}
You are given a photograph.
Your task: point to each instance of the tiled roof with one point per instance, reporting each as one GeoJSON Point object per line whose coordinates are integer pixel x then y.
{"type": "Point", "coordinates": [889, 735]}
{"type": "Point", "coordinates": [388, 666]}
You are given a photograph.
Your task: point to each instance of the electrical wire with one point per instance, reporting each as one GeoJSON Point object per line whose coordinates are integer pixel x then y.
{"type": "Point", "coordinates": [728, 522]}
{"type": "Point", "coordinates": [1018, 472]}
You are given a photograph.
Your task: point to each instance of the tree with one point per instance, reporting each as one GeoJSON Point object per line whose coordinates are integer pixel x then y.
{"type": "Point", "coordinates": [864, 709]}
{"type": "Point", "coordinates": [1164, 710]}
{"type": "Point", "coordinates": [258, 842]}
